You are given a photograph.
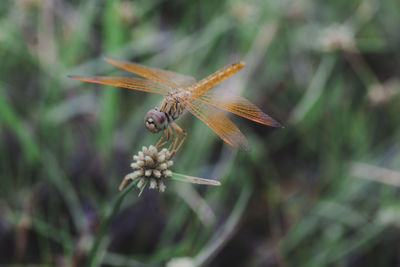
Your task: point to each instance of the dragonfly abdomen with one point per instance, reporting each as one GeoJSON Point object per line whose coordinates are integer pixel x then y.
{"type": "Point", "coordinates": [210, 81]}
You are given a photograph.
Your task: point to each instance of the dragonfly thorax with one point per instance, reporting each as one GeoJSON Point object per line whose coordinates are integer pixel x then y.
{"type": "Point", "coordinates": [177, 95]}
{"type": "Point", "coordinates": [156, 120]}
{"type": "Point", "coordinates": [172, 104]}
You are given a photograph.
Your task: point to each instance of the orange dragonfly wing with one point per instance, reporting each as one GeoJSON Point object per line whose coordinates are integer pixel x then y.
{"type": "Point", "coordinates": [219, 123]}
{"type": "Point", "coordinates": [138, 84]}
{"type": "Point", "coordinates": [164, 77]}
{"type": "Point", "coordinates": [210, 81]}
{"type": "Point", "coordinates": [240, 106]}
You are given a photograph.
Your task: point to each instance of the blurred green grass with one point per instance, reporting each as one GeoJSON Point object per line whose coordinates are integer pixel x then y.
{"type": "Point", "coordinates": [321, 192]}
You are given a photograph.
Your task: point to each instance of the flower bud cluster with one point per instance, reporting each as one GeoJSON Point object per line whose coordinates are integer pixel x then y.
{"type": "Point", "coordinates": [150, 166]}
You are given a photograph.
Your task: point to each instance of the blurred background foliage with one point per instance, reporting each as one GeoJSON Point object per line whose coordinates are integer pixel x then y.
{"type": "Point", "coordinates": [322, 191]}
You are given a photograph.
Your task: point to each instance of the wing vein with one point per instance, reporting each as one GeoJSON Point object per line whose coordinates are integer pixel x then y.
{"type": "Point", "coordinates": [219, 123]}
{"type": "Point", "coordinates": [167, 78]}
{"type": "Point", "coordinates": [138, 84]}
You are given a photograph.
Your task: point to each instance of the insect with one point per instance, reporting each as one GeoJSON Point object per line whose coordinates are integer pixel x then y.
{"type": "Point", "coordinates": [183, 93]}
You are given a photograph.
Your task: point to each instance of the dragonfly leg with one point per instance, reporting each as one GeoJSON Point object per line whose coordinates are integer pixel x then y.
{"type": "Point", "coordinates": [180, 134]}
{"type": "Point", "coordinates": [172, 137]}
{"type": "Point", "coordinates": [161, 141]}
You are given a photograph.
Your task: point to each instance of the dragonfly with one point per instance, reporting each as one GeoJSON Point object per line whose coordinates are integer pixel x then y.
{"type": "Point", "coordinates": [182, 93]}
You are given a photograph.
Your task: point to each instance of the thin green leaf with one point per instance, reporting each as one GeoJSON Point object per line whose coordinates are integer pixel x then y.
{"type": "Point", "coordinates": [194, 180]}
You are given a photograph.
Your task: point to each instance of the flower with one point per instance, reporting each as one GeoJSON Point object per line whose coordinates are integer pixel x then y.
{"type": "Point", "coordinates": [181, 262]}
{"type": "Point", "coordinates": [150, 166]}
{"type": "Point", "coordinates": [337, 37]}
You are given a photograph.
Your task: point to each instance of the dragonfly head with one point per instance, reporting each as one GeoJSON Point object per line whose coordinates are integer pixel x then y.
{"type": "Point", "coordinates": [155, 120]}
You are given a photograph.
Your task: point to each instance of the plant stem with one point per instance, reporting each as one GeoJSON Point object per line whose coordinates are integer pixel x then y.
{"type": "Point", "coordinates": [94, 255]}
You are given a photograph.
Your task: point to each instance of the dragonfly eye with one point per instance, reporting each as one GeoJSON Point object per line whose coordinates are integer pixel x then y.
{"type": "Point", "coordinates": [155, 121]}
